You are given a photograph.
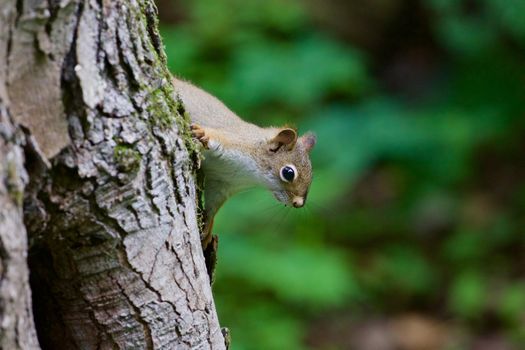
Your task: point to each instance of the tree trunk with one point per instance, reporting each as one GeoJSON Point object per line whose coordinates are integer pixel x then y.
{"type": "Point", "coordinates": [110, 209]}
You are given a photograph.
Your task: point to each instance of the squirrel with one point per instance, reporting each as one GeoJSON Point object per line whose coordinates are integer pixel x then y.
{"type": "Point", "coordinates": [239, 155]}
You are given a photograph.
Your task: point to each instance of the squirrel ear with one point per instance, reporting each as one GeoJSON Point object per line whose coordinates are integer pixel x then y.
{"type": "Point", "coordinates": [286, 137]}
{"type": "Point", "coordinates": [308, 140]}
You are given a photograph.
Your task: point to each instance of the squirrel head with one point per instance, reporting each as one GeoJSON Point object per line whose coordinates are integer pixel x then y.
{"type": "Point", "coordinates": [287, 166]}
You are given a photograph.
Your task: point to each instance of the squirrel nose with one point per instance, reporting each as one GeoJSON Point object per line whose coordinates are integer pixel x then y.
{"type": "Point", "coordinates": [298, 202]}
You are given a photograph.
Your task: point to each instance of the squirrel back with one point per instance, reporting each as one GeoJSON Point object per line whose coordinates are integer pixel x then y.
{"type": "Point", "coordinates": [205, 109]}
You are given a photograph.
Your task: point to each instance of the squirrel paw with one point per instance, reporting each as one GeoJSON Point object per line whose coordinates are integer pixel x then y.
{"type": "Point", "coordinates": [198, 132]}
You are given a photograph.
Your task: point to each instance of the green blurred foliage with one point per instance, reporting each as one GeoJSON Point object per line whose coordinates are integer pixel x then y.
{"type": "Point", "coordinates": [418, 201]}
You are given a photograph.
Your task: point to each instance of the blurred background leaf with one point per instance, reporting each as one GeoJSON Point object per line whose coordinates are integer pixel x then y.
{"type": "Point", "coordinates": [413, 234]}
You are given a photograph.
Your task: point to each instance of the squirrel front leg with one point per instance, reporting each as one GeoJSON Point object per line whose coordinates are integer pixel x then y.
{"type": "Point", "coordinates": [200, 134]}
{"type": "Point", "coordinates": [210, 138]}
{"type": "Point", "coordinates": [214, 198]}
{"type": "Point", "coordinates": [214, 194]}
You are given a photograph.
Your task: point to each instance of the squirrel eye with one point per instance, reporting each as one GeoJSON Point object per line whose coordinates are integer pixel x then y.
{"type": "Point", "coordinates": [288, 173]}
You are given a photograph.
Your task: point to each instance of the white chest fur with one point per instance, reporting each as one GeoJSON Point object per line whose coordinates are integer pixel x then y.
{"type": "Point", "coordinates": [232, 169]}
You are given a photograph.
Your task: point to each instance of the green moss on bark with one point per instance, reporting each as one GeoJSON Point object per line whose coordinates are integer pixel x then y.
{"type": "Point", "coordinates": [13, 183]}
{"type": "Point", "coordinates": [127, 158]}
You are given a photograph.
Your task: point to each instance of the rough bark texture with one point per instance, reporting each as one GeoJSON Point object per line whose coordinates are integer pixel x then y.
{"type": "Point", "coordinates": [110, 208]}
{"type": "Point", "coordinates": [17, 329]}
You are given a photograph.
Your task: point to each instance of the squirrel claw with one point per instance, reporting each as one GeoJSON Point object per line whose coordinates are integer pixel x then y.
{"type": "Point", "coordinates": [198, 132]}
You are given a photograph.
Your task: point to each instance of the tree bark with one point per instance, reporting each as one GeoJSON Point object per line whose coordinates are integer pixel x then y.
{"type": "Point", "coordinates": [17, 329]}
{"type": "Point", "coordinates": [110, 209]}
